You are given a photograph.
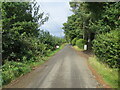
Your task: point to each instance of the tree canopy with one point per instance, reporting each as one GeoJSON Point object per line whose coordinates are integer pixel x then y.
{"type": "Point", "coordinates": [97, 23]}
{"type": "Point", "coordinates": [90, 19]}
{"type": "Point", "coordinates": [22, 36]}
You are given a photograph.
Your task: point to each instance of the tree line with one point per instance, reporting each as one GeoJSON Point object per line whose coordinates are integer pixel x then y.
{"type": "Point", "coordinates": [97, 25]}
{"type": "Point", "coordinates": [21, 34]}
{"type": "Point", "coordinates": [23, 41]}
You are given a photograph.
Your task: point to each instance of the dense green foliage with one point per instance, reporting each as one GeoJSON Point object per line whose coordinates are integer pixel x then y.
{"type": "Point", "coordinates": [23, 41]}
{"type": "Point", "coordinates": [80, 43]}
{"type": "Point", "coordinates": [93, 21]}
{"type": "Point", "coordinates": [21, 36]}
{"type": "Point", "coordinates": [90, 19]}
{"type": "Point", "coordinates": [107, 48]}
{"type": "Point", "coordinates": [74, 41]}
{"type": "Point", "coordinates": [12, 69]}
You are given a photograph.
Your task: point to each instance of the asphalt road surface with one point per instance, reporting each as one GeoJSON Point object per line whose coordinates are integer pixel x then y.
{"type": "Point", "coordinates": [66, 69]}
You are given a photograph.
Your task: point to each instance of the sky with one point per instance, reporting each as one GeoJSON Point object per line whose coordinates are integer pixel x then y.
{"type": "Point", "coordinates": [58, 12]}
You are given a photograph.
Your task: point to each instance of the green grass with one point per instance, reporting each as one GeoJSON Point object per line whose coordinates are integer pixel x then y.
{"type": "Point", "coordinates": [33, 64]}
{"type": "Point", "coordinates": [53, 52]}
{"type": "Point", "coordinates": [77, 48]}
{"type": "Point", "coordinates": [11, 70]}
{"type": "Point", "coordinates": [109, 75]}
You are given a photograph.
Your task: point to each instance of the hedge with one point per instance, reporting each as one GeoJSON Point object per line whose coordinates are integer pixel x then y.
{"type": "Point", "coordinates": [74, 41]}
{"type": "Point", "coordinates": [80, 43]}
{"type": "Point", "coordinates": [11, 70]}
{"type": "Point", "coordinates": [107, 48]}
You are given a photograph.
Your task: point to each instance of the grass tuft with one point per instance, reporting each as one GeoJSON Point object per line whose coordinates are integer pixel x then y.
{"type": "Point", "coordinates": [109, 75]}
{"type": "Point", "coordinates": [77, 48]}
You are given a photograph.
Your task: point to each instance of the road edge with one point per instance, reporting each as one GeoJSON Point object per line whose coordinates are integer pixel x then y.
{"type": "Point", "coordinates": [94, 72]}
{"type": "Point", "coordinates": [33, 68]}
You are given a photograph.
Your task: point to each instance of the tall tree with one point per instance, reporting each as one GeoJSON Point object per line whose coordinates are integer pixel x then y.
{"type": "Point", "coordinates": [90, 19]}
{"type": "Point", "coordinates": [20, 20]}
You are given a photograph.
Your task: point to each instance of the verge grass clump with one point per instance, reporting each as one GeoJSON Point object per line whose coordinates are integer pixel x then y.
{"type": "Point", "coordinates": [109, 75]}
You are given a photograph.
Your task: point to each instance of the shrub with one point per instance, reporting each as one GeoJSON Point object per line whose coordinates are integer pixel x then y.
{"type": "Point", "coordinates": [74, 41]}
{"type": "Point", "coordinates": [106, 48]}
{"type": "Point", "coordinates": [11, 70]}
{"type": "Point", "coordinates": [80, 43]}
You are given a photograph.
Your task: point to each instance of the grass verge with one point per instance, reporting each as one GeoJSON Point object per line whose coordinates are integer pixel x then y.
{"type": "Point", "coordinates": [11, 69]}
{"type": "Point", "coordinates": [77, 48]}
{"type": "Point", "coordinates": [109, 75]}
{"type": "Point", "coordinates": [53, 52]}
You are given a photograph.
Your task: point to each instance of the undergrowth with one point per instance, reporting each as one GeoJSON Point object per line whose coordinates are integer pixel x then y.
{"type": "Point", "coordinates": [11, 69]}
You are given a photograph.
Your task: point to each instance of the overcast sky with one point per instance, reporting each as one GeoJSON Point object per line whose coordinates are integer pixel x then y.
{"type": "Point", "coordinates": [58, 12]}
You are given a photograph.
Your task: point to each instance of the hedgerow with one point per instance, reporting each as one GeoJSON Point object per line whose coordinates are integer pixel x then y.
{"type": "Point", "coordinates": [11, 70]}
{"type": "Point", "coordinates": [80, 43]}
{"type": "Point", "coordinates": [74, 41]}
{"type": "Point", "coordinates": [107, 48]}
{"type": "Point", "coordinates": [23, 41]}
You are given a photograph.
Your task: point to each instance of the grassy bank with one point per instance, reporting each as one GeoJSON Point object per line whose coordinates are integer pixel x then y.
{"type": "Point", "coordinates": [77, 48]}
{"type": "Point", "coordinates": [109, 75]}
{"type": "Point", "coordinates": [11, 69]}
{"type": "Point", "coordinates": [53, 52]}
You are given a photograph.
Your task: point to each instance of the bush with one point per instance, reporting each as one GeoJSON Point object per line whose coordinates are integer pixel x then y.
{"type": "Point", "coordinates": [11, 70]}
{"type": "Point", "coordinates": [106, 48]}
{"type": "Point", "coordinates": [74, 41]}
{"type": "Point", "coordinates": [80, 43]}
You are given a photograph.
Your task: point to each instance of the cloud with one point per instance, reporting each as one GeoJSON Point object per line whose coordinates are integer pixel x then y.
{"type": "Point", "coordinates": [58, 11]}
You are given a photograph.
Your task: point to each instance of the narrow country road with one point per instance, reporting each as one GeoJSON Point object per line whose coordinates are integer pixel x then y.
{"type": "Point", "coordinates": [66, 69]}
